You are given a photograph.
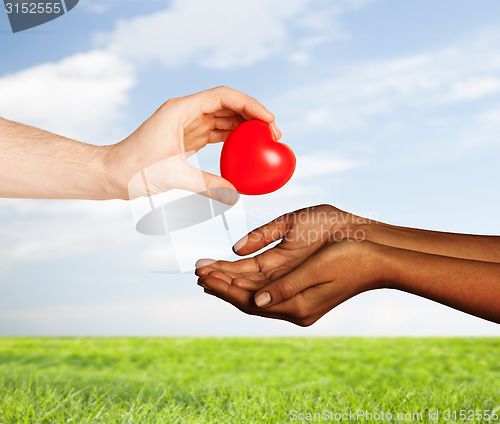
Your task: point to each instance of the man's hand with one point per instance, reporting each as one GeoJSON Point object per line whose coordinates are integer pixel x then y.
{"type": "Point", "coordinates": [308, 273]}
{"type": "Point", "coordinates": [37, 164]}
{"type": "Point", "coordinates": [153, 159]}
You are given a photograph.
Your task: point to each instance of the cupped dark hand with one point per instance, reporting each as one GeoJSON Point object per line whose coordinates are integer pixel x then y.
{"type": "Point", "coordinates": [302, 277]}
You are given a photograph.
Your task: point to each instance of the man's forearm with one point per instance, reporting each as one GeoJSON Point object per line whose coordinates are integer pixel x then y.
{"type": "Point", "coordinates": [468, 285]}
{"type": "Point", "coordinates": [40, 165]}
{"type": "Point", "coordinates": [465, 246]}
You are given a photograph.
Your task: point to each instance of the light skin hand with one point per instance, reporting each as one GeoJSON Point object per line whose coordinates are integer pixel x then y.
{"type": "Point", "coordinates": [38, 164]}
{"type": "Point", "coordinates": [158, 149]}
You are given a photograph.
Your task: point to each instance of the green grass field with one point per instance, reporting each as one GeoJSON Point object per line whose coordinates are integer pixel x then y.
{"type": "Point", "coordinates": [244, 380]}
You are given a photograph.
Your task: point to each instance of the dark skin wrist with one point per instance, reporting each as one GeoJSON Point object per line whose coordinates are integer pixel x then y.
{"type": "Point", "coordinates": [464, 246]}
{"type": "Point", "coordinates": [467, 285]}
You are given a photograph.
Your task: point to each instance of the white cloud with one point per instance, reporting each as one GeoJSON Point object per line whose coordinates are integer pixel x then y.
{"type": "Point", "coordinates": [322, 163]}
{"type": "Point", "coordinates": [300, 58]}
{"type": "Point", "coordinates": [485, 130]}
{"type": "Point", "coordinates": [225, 33]}
{"type": "Point", "coordinates": [99, 7]}
{"type": "Point", "coordinates": [79, 97]}
{"type": "Point", "coordinates": [400, 98]}
{"type": "Point", "coordinates": [388, 313]}
{"type": "Point", "coordinates": [52, 230]}
{"type": "Point", "coordinates": [491, 116]}
{"type": "Point", "coordinates": [473, 88]}
{"type": "Point", "coordinates": [83, 96]}
{"type": "Point", "coordinates": [45, 230]}
{"type": "Point", "coordinates": [372, 314]}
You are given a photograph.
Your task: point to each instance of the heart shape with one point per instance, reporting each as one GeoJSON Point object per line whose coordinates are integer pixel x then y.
{"type": "Point", "coordinates": [253, 161]}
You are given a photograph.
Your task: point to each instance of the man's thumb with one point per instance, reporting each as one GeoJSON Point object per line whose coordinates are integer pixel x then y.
{"type": "Point", "coordinates": [210, 185]}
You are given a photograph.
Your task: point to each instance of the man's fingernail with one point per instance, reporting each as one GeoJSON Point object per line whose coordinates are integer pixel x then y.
{"type": "Point", "coordinates": [276, 131]}
{"type": "Point", "coordinates": [227, 196]}
{"type": "Point", "coordinates": [262, 299]}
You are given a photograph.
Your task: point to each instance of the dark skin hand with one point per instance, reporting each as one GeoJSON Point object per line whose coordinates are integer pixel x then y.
{"type": "Point", "coordinates": [327, 256]}
{"type": "Point", "coordinates": [310, 238]}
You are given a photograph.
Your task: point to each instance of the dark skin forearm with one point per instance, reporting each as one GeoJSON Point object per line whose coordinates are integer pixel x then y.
{"type": "Point", "coordinates": [343, 225]}
{"type": "Point", "coordinates": [467, 285]}
{"type": "Point", "coordinates": [465, 246]}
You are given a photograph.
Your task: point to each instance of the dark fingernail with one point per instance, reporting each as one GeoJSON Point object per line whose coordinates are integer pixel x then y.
{"type": "Point", "coordinates": [262, 299]}
{"type": "Point", "coordinates": [239, 244]}
{"type": "Point", "coordinates": [200, 263]}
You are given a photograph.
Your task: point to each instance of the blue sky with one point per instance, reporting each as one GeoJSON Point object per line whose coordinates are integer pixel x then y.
{"type": "Point", "coordinates": [392, 108]}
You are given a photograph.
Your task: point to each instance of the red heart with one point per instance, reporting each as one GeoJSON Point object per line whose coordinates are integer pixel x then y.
{"type": "Point", "coordinates": [253, 161]}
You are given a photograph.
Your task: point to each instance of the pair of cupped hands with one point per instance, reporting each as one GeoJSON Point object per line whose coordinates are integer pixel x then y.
{"type": "Point", "coordinates": [322, 259]}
